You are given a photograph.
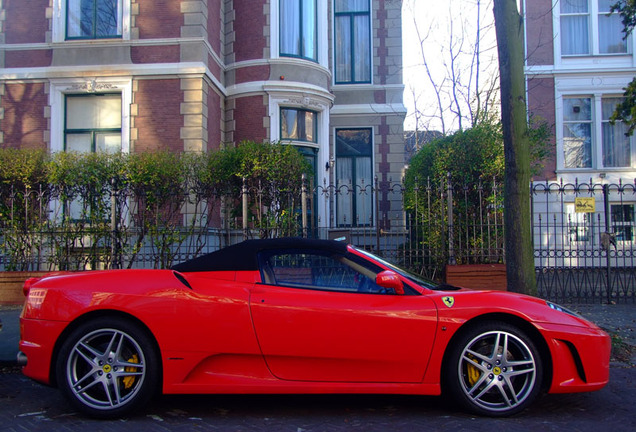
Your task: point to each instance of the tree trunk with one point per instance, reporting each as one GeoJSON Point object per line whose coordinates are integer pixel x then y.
{"type": "Point", "coordinates": [517, 216]}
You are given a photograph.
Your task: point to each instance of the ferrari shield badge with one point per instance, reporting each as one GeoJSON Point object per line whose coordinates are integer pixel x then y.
{"type": "Point", "coordinates": [449, 301]}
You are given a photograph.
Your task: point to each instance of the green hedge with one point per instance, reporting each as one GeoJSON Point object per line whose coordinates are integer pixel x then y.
{"type": "Point", "coordinates": [72, 205]}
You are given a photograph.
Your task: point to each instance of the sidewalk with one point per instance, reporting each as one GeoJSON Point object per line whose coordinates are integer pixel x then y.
{"type": "Point", "coordinates": [618, 320]}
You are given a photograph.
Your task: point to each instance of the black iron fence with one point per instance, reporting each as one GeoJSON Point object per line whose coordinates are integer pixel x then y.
{"type": "Point", "coordinates": [584, 233]}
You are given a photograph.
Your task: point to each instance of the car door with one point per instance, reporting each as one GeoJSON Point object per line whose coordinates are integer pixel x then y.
{"type": "Point", "coordinates": [322, 318]}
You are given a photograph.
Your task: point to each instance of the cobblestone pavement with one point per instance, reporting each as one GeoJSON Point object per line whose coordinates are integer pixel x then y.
{"type": "Point", "coordinates": [26, 405]}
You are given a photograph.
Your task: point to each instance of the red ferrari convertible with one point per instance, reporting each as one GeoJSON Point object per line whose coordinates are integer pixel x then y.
{"type": "Point", "coordinates": [298, 316]}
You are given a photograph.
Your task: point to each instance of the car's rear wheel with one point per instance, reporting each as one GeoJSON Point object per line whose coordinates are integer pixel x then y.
{"type": "Point", "coordinates": [108, 367]}
{"type": "Point", "coordinates": [495, 369]}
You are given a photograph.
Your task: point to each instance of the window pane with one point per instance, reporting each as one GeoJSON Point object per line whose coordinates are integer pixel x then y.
{"type": "Point", "coordinates": [80, 143]}
{"type": "Point", "coordinates": [290, 27]}
{"type": "Point", "coordinates": [610, 34]}
{"type": "Point", "coordinates": [352, 5]}
{"type": "Point", "coordinates": [577, 132]}
{"type": "Point", "coordinates": [623, 221]}
{"type": "Point", "coordinates": [309, 127]}
{"type": "Point", "coordinates": [298, 125]}
{"type": "Point", "coordinates": [574, 35]}
{"type": "Point", "coordinates": [573, 6]}
{"type": "Point", "coordinates": [288, 124]}
{"type": "Point", "coordinates": [605, 5]}
{"type": "Point", "coordinates": [364, 196]}
{"type": "Point", "coordinates": [353, 142]}
{"type": "Point", "coordinates": [616, 145]}
{"type": "Point", "coordinates": [99, 112]}
{"type": "Point", "coordinates": [343, 49]}
{"type": "Point", "coordinates": [577, 109]}
{"type": "Point", "coordinates": [345, 195]}
{"type": "Point", "coordinates": [79, 18]}
{"type": "Point", "coordinates": [362, 49]}
{"type": "Point", "coordinates": [577, 145]}
{"type": "Point", "coordinates": [309, 30]}
{"type": "Point", "coordinates": [108, 22]}
{"type": "Point", "coordinates": [108, 143]}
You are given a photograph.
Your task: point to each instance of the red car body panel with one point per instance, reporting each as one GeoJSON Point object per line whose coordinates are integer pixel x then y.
{"type": "Point", "coordinates": [227, 332]}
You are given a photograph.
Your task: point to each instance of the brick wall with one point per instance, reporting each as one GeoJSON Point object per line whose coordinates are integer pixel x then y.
{"type": "Point", "coordinates": [248, 30]}
{"type": "Point", "coordinates": [541, 106]}
{"type": "Point", "coordinates": [214, 25]}
{"type": "Point", "coordinates": [249, 115]}
{"type": "Point", "coordinates": [539, 32]}
{"type": "Point", "coordinates": [23, 123]}
{"type": "Point", "coordinates": [158, 118]}
{"type": "Point", "coordinates": [159, 19]}
{"type": "Point", "coordinates": [25, 21]}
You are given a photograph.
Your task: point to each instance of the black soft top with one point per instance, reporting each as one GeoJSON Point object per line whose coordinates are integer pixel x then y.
{"type": "Point", "coordinates": [244, 255]}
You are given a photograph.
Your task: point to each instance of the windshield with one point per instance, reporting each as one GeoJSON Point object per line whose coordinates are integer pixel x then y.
{"type": "Point", "coordinates": [413, 277]}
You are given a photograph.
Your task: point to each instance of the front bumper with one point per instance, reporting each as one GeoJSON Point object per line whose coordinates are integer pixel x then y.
{"type": "Point", "coordinates": [580, 357]}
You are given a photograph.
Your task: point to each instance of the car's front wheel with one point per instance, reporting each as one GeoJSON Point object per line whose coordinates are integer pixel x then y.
{"type": "Point", "coordinates": [108, 367]}
{"type": "Point", "coordinates": [495, 369]}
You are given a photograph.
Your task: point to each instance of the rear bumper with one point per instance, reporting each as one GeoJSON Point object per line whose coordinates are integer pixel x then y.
{"type": "Point", "coordinates": [37, 342]}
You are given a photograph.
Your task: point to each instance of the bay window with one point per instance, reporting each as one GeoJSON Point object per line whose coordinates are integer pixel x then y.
{"type": "Point", "coordinates": [298, 125]}
{"type": "Point", "coordinates": [298, 29]}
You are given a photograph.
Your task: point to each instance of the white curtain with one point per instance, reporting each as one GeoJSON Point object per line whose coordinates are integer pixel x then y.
{"type": "Point", "coordinates": [309, 30]}
{"type": "Point", "coordinates": [616, 145]}
{"type": "Point", "coordinates": [610, 34]}
{"type": "Point", "coordinates": [343, 49]}
{"type": "Point", "coordinates": [344, 192]}
{"type": "Point", "coordinates": [362, 48]}
{"type": "Point", "coordinates": [575, 37]}
{"type": "Point", "coordinates": [363, 191]}
{"type": "Point", "coordinates": [290, 27]}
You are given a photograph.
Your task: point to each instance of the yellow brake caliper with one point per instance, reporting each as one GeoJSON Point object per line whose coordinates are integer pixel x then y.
{"type": "Point", "coordinates": [129, 380]}
{"type": "Point", "coordinates": [472, 371]}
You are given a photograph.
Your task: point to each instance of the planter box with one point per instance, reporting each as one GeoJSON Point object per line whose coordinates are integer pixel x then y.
{"type": "Point", "coordinates": [11, 286]}
{"type": "Point", "coordinates": [477, 276]}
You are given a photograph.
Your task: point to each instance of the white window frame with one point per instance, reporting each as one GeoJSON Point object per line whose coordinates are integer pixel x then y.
{"type": "Point", "coordinates": [60, 88]}
{"type": "Point", "coordinates": [59, 23]}
{"type": "Point", "coordinates": [596, 135]}
{"type": "Point", "coordinates": [593, 13]}
{"type": "Point", "coordinates": [371, 54]}
{"type": "Point", "coordinates": [370, 182]}
{"type": "Point", "coordinates": [595, 87]}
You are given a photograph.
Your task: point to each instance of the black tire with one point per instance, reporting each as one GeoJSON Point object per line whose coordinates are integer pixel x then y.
{"type": "Point", "coordinates": [108, 367]}
{"type": "Point", "coordinates": [494, 369]}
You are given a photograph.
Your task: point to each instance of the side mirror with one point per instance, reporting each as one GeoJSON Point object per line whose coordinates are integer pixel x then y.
{"type": "Point", "coordinates": [390, 280]}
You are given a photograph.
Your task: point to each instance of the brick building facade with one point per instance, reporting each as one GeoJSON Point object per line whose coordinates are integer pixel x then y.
{"type": "Point", "coordinates": [195, 75]}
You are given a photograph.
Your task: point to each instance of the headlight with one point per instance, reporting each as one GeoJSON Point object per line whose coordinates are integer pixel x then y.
{"type": "Point", "coordinates": [562, 309]}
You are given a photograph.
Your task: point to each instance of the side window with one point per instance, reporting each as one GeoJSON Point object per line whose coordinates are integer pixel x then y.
{"type": "Point", "coordinates": [310, 270]}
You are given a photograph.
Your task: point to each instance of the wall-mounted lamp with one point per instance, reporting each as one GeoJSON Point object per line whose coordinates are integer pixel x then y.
{"type": "Point", "coordinates": [329, 164]}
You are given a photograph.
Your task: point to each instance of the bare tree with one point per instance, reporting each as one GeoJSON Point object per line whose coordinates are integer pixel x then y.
{"type": "Point", "coordinates": [455, 65]}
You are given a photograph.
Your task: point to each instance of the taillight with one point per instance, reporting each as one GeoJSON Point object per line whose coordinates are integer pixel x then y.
{"type": "Point", "coordinates": [28, 284]}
